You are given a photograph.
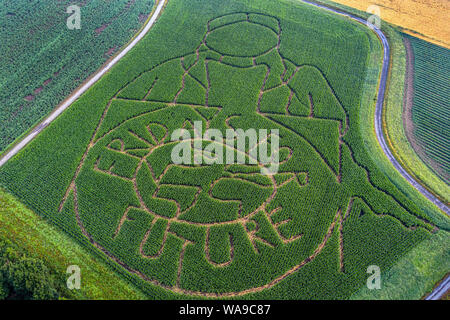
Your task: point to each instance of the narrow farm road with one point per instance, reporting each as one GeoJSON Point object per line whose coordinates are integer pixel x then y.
{"type": "Point", "coordinates": [379, 108]}
{"type": "Point", "coordinates": [440, 290]}
{"type": "Point", "coordinates": [378, 115]}
{"type": "Point", "coordinates": [75, 95]}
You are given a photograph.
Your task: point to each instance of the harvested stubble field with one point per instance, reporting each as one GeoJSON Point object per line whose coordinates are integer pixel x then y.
{"type": "Point", "coordinates": [102, 171]}
{"type": "Point", "coordinates": [426, 19]}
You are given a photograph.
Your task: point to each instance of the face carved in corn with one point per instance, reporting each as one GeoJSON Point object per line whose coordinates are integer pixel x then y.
{"type": "Point", "coordinates": [188, 227]}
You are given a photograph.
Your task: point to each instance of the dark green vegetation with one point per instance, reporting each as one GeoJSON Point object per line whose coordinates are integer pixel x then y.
{"type": "Point", "coordinates": [26, 278]}
{"type": "Point", "coordinates": [24, 236]}
{"type": "Point", "coordinates": [430, 111]}
{"type": "Point", "coordinates": [308, 232]}
{"type": "Point", "coordinates": [42, 61]}
{"type": "Point", "coordinates": [242, 39]}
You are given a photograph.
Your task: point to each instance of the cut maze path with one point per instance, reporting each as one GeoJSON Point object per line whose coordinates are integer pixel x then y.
{"type": "Point", "coordinates": [339, 218]}
{"type": "Point", "coordinates": [74, 96]}
{"type": "Point", "coordinates": [242, 220]}
{"type": "Point", "coordinates": [379, 109]}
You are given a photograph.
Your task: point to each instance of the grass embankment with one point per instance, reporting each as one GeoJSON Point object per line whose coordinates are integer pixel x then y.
{"type": "Point", "coordinates": [394, 126]}
{"type": "Point", "coordinates": [415, 274]}
{"type": "Point", "coordinates": [393, 110]}
{"type": "Point", "coordinates": [41, 240]}
{"type": "Point", "coordinates": [427, 275]}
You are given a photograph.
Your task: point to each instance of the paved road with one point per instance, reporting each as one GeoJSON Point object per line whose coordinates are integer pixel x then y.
{"type": "Point", "coordinates": [378, 115]}
{"type": "Point", "coordinates": [440, 290]}
{"type": "Point", "coordinates": [379, 109]}
{"type": "Point", "coordinates": [8, 155]}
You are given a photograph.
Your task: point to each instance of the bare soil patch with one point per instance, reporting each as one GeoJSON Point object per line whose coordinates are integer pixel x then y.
{"type": "Point", "coordinates": [99, 30]}
{"type": "Point", "coordinates": [38, 90]}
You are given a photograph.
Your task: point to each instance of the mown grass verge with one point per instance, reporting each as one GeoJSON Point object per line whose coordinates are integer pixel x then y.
{"type": "Point", "coordinates": [415, 274]}
{"type": "Point", "coordinates": [394, 127]}
{"type": "Point", "coordinates": [346, 214]}
{"type": "Point", "coordinates": [36, 236]}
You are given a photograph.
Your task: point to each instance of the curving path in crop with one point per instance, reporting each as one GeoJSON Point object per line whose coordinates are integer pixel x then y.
{"type": "Point", "coordinates": [379, 108]}
{"type": "Point", "coordinates": [440, 290]}
{"type": "Point", "coordinates": [378, 115]}
{"type": "Point", "coordinates": [74, 96]}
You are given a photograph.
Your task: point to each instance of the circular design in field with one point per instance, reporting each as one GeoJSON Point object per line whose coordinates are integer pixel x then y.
{"type": "Point", "coordinates": [242, 39]}
{"type": "Point", "coordinates": [189, 228]}
{"type": "Point", "coordinates": [221, 229]}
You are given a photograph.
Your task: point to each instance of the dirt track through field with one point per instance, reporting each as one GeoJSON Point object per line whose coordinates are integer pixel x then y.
{"type": "Point", "coordinates": [379, 109]}
{"type": "Point", "coordinates": [74, 96]}
{"type": "Point", "coordinates": [338, 218]}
